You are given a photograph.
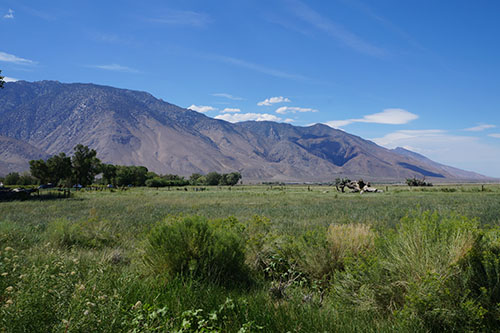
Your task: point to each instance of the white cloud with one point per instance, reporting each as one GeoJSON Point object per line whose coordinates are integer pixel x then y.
{"type": "Point", "coordinates": [293, 109]}
{"type": "Point", "coordinates": [495, 135]}
{"type": "Point", "coordinates": [388, 116]}
{"type": "Point", "coordinates": [237, 117]}
{"type": "Point", "coordinates": [395, 139]}
{"type": "Point", "coordinates": [115, 68]}
{"type": "Point", "coordinates": [183, 17]}
{"type": "Point", "coordinates": [9, 15]}
{"type": "Point", "coordinates": [480, 128]}
{"type": "Point", "coordinates": [9, 79]}
{"type": "Point", "coordinates": [228, 96]}
{"type": "Point", "coordinates": [274, 100]}
{"type": "Point", "coordinates": [231, 110]}
{"type": "Point", "coordinates": [6, 57]}
{"type": "Point", "coordinates": [201, 108]}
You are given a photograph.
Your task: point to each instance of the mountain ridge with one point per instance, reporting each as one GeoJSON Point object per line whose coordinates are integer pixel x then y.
{"type": "Point", "coordinates": [134, 128]}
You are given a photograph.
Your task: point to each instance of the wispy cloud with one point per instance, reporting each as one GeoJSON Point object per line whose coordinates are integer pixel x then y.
{"type": "Point", "coordinates": [293, 109]}
{"type": "Point", "coordinates": [368, 11]}
{"type": "Point", "coordinates": [274, 100]}
{"type": "Point", "coordinates": [228, 96]}
{"type": "Point", "coordinates": [495, 135]}
{"type": "Point", "coordinates": [344, 36]}
{"type": "Point", "coordinates": [115, 68]}
{"type": "Point", "coordinates": [201, 108]}
{"type": "Point", "coordinates": [257, 67]}
{"type": "Point", "coordinates": [9, 15]}
{"type": "Point", "coordinates": [237, 117]}
{"type": "Point", "coordinates": [231, 110]}
{"type": "Point", "coordinates": [480, 128]}
{"type": "Point", "coordinates": [183, 17]}
{"type": "Point", "coordinates": [388, 116]}
{"type": "Point", "coordinates": [6, 57]}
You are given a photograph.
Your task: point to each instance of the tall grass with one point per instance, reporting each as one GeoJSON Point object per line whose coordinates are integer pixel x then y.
{"type": "Point", "coordinates": [138, 261]}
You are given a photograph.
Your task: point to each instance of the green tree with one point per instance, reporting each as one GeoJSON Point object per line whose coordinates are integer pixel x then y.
{"type": "Point", "coordinates": [12, 179]}
{"type": "Point", "coordinates": [196, 179]}
{"type": "Point", "coordinates": [59, 168]}
{"type": "Point", "coordinates": [108, 173]}
{"type": "Point", "coordinates": [1, 79]}
{"type": "Point", "coordinates": [40, 170]}
{"type": "Point", "coordinates": [85, 165]}
{"type": "Point", "coordinates": [26, 179]}
{"type": "Point", "coordinates": [213, 178]}
{"type": "Point", "coordinates": [230, 179]}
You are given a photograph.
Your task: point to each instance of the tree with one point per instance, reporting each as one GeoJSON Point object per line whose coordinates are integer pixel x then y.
{"type": "Point", "coordinates": [213, 178]}
{"type": "Point", "coordinates": [85, 165]}
{"type": "Point", "coordinates": [196, 179]}
{"type": "Point", "coordinates": [12, 179]}
{"type": "Point", "coordinates": [59, 168]}
{"type": "Point", "coordinates": [108, 173]}
{"type": "Point", "coordinates": [40, 170]}
{"type": "Point", "coordinates": [230, 179]}
{"type": "Point", "coordinates": [1, 79]}
{"type": "Point", "coordinates": [131, 175]}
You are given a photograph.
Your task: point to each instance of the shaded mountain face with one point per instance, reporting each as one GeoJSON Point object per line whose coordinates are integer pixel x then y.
{"type": "Point", "coordinates": [134, 128]}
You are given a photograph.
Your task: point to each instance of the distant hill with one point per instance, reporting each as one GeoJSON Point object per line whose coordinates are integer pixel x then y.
{"type": "Point", "coordinates": [15, 155]}
{"type": "Point", "coordinates": [134, 128]}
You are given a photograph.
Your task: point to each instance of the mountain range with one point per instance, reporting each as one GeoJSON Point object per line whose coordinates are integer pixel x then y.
{"type": "Point", "coordinates": [39, 119]}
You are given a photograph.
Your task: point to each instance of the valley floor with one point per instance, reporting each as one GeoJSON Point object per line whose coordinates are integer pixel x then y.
{"type": "Point", "coordinates": [307, 258]}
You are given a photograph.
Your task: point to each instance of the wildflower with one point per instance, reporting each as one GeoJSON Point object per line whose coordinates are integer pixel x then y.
{"type": "Point", "coordinates": [72, 273]}
{"type": "Point", "coordinates": [8, 248]}
{"type": "Point", "coordinates": [86, 312]}
{"type": "Point", "coordinates": [5, 274]}
{"type": "Point", "coordinates": [80, 287]}
{"type": "Point", "coordinates": [9, 289]}
{"type": "Point", "coordinates": [8, 303]}
{"type": "Point", "coordinates": [90, 304]}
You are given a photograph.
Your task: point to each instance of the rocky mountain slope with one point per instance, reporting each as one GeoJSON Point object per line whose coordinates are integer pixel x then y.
{"type": "Point", "coordinates": [134, 128]}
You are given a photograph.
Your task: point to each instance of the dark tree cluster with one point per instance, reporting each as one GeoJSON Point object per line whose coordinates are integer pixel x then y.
{"type": "Point", "coordinates": [81, 168]}
{"type": "Point", "coordinates": [196, 179]}
{"type": "Point", "coordinates": [15, 178]}
{"type": "Point", "coordinates": [417, 182]}
{"type": "Point", "coordinates": [214, 179]}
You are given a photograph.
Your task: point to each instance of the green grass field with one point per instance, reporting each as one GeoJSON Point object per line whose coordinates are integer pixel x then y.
{"type": "Point", "coordinates": [427, 260]}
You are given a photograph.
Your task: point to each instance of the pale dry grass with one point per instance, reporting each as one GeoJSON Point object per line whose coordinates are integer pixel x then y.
{"type": "Point", "coordinates": [349, 240]}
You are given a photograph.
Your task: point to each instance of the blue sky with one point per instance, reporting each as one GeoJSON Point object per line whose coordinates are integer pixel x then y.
{"type": "Point", "coordinates": [419, 74]}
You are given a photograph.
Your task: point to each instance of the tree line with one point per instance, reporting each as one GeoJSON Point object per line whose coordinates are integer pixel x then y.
{"type": "Point", "coordinates": [83, 167]}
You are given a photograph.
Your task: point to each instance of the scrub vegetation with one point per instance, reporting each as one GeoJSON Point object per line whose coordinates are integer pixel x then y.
{"type": "Point", "coordinates": [252, 259]}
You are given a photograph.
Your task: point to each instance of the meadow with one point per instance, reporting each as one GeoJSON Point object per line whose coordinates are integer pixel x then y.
{"type": "Point", "coordinates": [252, 258]}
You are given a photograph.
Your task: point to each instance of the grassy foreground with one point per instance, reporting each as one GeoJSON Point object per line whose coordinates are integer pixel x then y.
{"type": "Point", "coordinates": [255, 259]}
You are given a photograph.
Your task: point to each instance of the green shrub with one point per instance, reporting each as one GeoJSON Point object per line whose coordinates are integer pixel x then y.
{"type": "Point", "coordinates": [481, 275]}
{"type": "Point", "coordinates": [193, 247]}
{"type": "Point", "coordinates": [413, 271]}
